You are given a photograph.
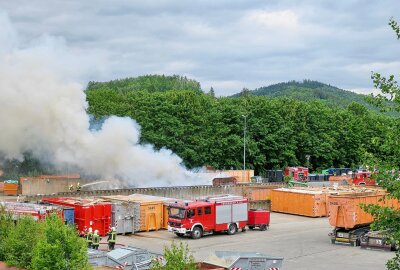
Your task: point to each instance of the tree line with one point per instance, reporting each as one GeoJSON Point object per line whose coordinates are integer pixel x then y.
{"type": "Point", "coordinates": [205, 130]}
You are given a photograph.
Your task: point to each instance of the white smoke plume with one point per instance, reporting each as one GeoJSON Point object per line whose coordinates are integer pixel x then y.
{"type": "Point", "coordinates": [43, 111]}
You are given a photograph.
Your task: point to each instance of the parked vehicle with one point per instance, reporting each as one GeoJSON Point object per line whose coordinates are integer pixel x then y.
{"type": "Point", "coordinates": [349, 220]}
{"type": "Point", "coordinates": [219, 213]}
{"type": "Point", "coordinates": [377, 240]}
{"type": "Point", "coordinates": [297, 173]}
{"type": "Point", "coordinates": [258, 218]}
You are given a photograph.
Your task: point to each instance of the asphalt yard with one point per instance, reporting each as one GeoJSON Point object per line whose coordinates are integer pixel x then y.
{"type": "Point", "coordinates": [303, 243]}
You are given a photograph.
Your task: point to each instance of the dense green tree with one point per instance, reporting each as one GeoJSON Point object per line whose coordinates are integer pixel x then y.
{"type": "Point", "coordinates": [281, 131]}
{"type": "Point", "coordinates": [21, 242]}
{"type": "Point", "coordinates": [387, 158]}
{"type": "Point", "coordinates": [60, 248]}
{"type": "Point", "coordinates": [6, 225]}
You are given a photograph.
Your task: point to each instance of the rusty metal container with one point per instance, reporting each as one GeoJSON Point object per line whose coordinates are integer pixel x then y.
{"type": "Point", "coordinates": [304, 202]}
{"type": "Point", "coordinates": [265, 205]}
{"type": "Point", "coordinates": [345, 211]}
{"type": "Point", "coordinates": [259, 193]}
{"type": "Point", "coordinates": [48, 184]}
{"type": "Point", "coordinates": [151, 210]}
{"type": "Point", "coordinates": [340, 179]}
{"type": "Point", "coordinates": [240, 175]}
{"type": "Point", "coordinates": [10, 188]}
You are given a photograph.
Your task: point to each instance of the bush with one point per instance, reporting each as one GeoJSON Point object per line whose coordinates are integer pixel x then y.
{"type": "Point", "coordinates": [21, 241]}
{"type": "Point", "coordinates": [60, 248]}
{"type": "Point", "coordinates": [6, 224]}
{"type": "Point", "coordinates": [177, 257]}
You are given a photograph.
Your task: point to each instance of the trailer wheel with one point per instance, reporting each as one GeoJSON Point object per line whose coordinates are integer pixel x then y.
{"type": "Point", "coordinates": [263, 227]}
{"type": "Point", "coordinates": [394, 247]}
{"type": "Point", "coordinates": [197, 233]}
{"type": "Point", "coordinates": [232, 229]}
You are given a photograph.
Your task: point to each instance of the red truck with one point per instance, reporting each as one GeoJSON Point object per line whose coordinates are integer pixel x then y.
{"type": "Point", "coordinates": [297, 173]}
{"type": "Point", "coordinates": [211, 214]}
{"type": "Point", "coordinates": [362, 178]}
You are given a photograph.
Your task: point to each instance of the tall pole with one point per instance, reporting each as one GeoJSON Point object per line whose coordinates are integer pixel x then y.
{"type": "Point", "coordinates": [244, 146]}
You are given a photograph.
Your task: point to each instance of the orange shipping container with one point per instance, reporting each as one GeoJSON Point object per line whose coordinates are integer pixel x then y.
{"type": "Point", "coordinates": [151, 210]}
{"type": "Point", "coordinates": [10, 189]}
{"type": "Point", "coordinates": [345, 211]}
{"type": "Point", "coordinates": [240, 175]}
{"type": "Point", "coordinates": [310, 203]}
{"type": "Point", "coordinates": [260, 193]}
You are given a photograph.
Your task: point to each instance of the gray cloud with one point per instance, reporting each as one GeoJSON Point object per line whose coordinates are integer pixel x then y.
{"type": "Point", "coordinates": [224, 44]}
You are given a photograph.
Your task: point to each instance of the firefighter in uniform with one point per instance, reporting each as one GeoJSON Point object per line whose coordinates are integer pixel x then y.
{"type": "Point", "coordinates": [112, 237]}
{"type": "Point", "coordinates": [78, 187]}
{"type": "Point", "coordinates": [89, 237]}
{"type": "Point", "coordinates": [96, 240]}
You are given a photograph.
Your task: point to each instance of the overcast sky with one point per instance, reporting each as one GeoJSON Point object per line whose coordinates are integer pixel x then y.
{"type": "Point", "coordinates": [225, 44]}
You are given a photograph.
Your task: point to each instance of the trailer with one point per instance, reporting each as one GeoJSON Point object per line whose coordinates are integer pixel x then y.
{"type": "Point", "coordinates": [377, 240]}
{"type": "Point", "coordinates": [258, 218]}
{"type": "Point", "coordinates": [349, 220]}
{"type": "Point", "coordinates": [208, 215]}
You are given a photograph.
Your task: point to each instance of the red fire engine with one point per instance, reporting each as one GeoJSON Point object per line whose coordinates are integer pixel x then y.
{"type": "Point", "coordinates": [297, 173]}
{"type": "Point", "coordinates": [208, 215]}
{"type": "Point", "coordinates": [362, 178]}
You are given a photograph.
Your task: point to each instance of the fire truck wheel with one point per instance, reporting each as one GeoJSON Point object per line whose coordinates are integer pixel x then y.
{"type": "Point", "coordinates": [197, 233]}
{"type": "Point", "coordinates": [232, 229]}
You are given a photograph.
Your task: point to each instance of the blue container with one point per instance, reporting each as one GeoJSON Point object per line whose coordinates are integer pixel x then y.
{"type": "Point", "coordinates": [69, 215]}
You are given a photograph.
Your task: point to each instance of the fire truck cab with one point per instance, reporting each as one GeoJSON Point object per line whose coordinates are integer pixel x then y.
{"type": "Point", "coordinates": [297, 173]}
{"type": "Point", "coordinates": [206, 216]}
{"type": "Point", "coordinates": [363, 178]}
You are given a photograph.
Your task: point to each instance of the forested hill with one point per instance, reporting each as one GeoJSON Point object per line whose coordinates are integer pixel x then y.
{"type": "Point", "coordinates": [150, 83]}
{"type": "Point", "coordinates": [308, 90]}
{"type": "Point", "coordinates": [207, 130]}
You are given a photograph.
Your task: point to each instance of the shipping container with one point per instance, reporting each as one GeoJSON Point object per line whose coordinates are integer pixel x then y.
{"type": "Point", "coordinates": [242, 176]}
{"type": "Point", "coordinates": [39, 212]}
{"type": "Point", "coordinates": [69, 216]}
{"type": "Point", "coordinates": [124, 217]}
{"type": "Point", "coordinates": [258, 193]}
{"type": "Point", "coordinates": [10, 188]}
{"type": "Point", "coordinates": [224, 181]}
{"type": "Point", "coordinates": [48, 184]}
{"type": "Point", "coordinates": [151, 210]}
{"type": "Point", "coordinates": [304, 202]}
{"type": "Point", "coordinates": [88, 213]}
{"type": "Point", "coordinates": [266, 205]}
{"type": "Point", "coordinates": [345, 211]}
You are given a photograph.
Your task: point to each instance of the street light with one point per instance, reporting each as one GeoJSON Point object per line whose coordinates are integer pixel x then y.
{"type": "Point", "coordinates": [244, 146]}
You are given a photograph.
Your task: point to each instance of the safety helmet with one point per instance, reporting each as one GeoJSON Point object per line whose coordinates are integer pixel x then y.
{"type": "Point", "coordinates": [90, 230]}
{"type": "Point", "coordinates": [113, 228]}
{"type": "Point", "coordinates": [96, 231]}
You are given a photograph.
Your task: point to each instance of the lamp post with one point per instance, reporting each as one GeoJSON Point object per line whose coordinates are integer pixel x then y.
{"type": "Point", "coordinates": [244, 146]}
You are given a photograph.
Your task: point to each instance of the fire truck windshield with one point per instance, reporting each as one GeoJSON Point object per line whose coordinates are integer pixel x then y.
{"type": "Point", "coordinates": [175, 212]}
